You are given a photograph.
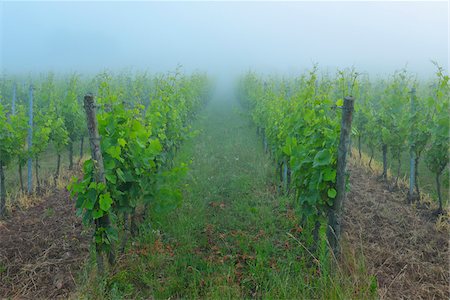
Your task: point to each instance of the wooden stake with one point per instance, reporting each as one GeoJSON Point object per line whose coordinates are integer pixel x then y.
{"type": "Point", "coordinates": [99, 171]}
{"type": "Point", "coordinates": [412, 152]}
{"type": "Point", "coordinates": [335, 213]}
{"type": "Point", "coordinates": [30, 142]}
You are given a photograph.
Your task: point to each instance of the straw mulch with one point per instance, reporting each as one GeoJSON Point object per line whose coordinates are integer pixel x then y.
{"type": "Point", "coordinates": [405, 247]}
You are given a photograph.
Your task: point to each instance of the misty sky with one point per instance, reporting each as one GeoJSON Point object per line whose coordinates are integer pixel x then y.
{"type": "Point", "coordinates": [223, 37]}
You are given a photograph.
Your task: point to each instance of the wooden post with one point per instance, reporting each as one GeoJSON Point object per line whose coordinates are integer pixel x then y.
{"type": "Point", "coordinates": [81, 148]}
{"type": "Point", "coordinates": [70, 154]}
{"type": "Point", "coordinates": [335, 213]}
{"type": "Point", "coordinates": [412, 152]}
{"type": "Point", "coordinates": [384, 150]}
{"type": "Point", "coordinates": [99, 171]}
{"type": "Point", "coordinates": [361, 92]}
{"type": "Point", "coordinates": [30, 141]}
{"type": "Point", "coordinates": [2, 190]}
{"type": "Point", "coordinates": [438, 187]}
{"type": "Point", "coordinates": [285, 175]}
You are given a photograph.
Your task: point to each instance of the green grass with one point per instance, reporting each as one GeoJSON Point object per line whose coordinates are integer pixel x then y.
{"type": "Point", "coordinates": [233, 237]}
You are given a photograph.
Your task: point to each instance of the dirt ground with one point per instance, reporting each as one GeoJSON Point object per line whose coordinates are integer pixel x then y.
{"type": "Point", "coordinates": [401, 245]}
{"type": "Point", "coordinates": [41, 250]}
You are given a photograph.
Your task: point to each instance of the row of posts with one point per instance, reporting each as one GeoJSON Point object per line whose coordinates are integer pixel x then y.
{"type": "Point", "coordinates": [30, 132]}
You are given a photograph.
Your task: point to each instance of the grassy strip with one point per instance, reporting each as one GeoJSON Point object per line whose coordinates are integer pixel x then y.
{"type": "Point", "coordinates": [233, 237]}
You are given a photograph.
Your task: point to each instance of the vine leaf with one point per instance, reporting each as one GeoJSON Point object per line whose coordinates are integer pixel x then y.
{"type": "Point", "coordinates": [322, 158]}
{"type": "Point", "coordinates": [105, 202]}
{"type": "Point", "coordinates": [332, 193]}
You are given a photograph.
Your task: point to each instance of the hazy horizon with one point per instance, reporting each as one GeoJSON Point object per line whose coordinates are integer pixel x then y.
{"type": "Point", "coordinates": [223, 38]}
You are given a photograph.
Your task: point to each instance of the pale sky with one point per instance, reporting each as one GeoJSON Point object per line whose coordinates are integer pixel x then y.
{"type": "Point", "coordinates": [223, 37]}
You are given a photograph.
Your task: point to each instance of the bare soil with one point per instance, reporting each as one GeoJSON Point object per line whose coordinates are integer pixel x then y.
{"type": "Point", "coordinates": [402, 247]}
{"type": "Point", "coordinates": [42, 249]}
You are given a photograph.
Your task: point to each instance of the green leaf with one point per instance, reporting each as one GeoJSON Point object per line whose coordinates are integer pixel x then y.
{"type": "Point", "coordinates": [322, 158]}
{"type": "Point", "coordinates": [111, 178]}
{"type": "Point", "coordinates": [80, 201]}
{"type": "Point", "coordinates": [74, 186]}
{"type": "Point", "coordinates": [97, 213]}
{"type": "Point", "coordinates": [120, 174]}
{"type": "Point", "coordinates": [112, 234]}
{"type": "Point", "coordinates": [91, 198]}
{"type": "Point", "coordinates": [155, 147]}
{"type": "Point", "coordinates": [110, 164]}
{"type": "Point", "coordinates": [114, 151]}
{"type": "Point", "coordinates": [101, 187]}
{"type": "Point", "coordinates": [121, 142]}
{"type": "Point", "coordinates": [88, 166]}
{"type": "Point", "coordinates": [329, 175]}
{"type": "Point", "coordinates": [332, 193]}
{"type": "Point", "coordinates": [105, 201]}
{"type": "Point", "coordinates": [98, 238]}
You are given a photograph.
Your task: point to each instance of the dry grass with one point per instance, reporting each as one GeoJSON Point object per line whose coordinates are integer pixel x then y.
{"type": "Point", "coordinates": [42, 249]}
{"type": "Point", "coordinates": [403, 182]}
{"type": "Point", "coordinates": [17, 200]}
{"type": "Point", "coordinates": [404, 246]}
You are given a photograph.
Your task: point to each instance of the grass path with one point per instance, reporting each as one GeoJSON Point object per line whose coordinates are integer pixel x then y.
{"type": "Point", "coordinates": [233, 237]}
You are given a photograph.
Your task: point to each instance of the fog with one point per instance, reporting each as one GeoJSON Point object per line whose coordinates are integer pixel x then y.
{"type": "Point", "coordinates": [223, 38]}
